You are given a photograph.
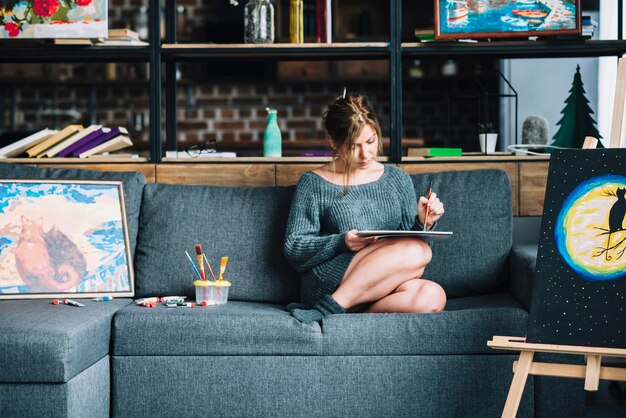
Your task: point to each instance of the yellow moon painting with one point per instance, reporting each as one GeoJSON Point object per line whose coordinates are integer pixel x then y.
{"type": "Point", "coordinates": [590, 233]}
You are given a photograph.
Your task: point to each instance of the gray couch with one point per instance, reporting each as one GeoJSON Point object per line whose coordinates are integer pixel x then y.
{"type": "Point", "coordinates": [250, 357]}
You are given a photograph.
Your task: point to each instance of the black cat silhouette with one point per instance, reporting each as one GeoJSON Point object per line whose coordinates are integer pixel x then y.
{"type": "Point", "coordinates": [617, 213]}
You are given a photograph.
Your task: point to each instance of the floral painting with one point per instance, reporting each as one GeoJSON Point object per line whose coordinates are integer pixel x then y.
{"type": "Point", "coordinates": [506, 18]}
{"type": "Point", "coordinates": [53, 19]}
{"type": "Point", "coordinates": [60, 238]}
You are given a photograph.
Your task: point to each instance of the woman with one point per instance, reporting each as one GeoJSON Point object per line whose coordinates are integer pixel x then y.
{"type": "Point", "coordinates": [340, 270]}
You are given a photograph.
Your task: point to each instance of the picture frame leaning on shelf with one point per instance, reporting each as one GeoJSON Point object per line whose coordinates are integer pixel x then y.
{"type": "Point", "coordinates": [32, 19]}
{"type": "Point", "coordinates": [476, 19]}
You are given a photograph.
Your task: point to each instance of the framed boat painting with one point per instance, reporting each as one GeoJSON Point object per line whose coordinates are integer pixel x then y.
{"type": "Point", "coordinates": [475, 19]}
{"type": "Point", "coordinates": [61, 238]}
{"type": "Point", "coordinates": [41, 19]}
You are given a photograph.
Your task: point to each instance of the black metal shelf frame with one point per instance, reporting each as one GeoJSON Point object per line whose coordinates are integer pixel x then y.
{"type": "Point", "coordinates": [73, 53]}
{"type": "Point", "coordinates": [520, 49]}
{"type": "Point", "coordinates": [174, 52]}
{"type": "Point", "coordinates": [395, 51]}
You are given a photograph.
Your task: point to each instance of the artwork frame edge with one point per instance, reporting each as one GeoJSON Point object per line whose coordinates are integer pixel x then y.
{"type": "Point", "coordinates": [119, 184]}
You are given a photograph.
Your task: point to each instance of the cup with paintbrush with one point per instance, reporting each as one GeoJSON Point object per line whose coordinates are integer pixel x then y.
{"type": "Point", "coordinates": [205, 292]}
{"type": "Point", "coordinates": [220, 285]}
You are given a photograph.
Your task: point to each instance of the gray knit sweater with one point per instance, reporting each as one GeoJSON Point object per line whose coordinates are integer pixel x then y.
{"type": "Point", "coordinates": [321, 215]}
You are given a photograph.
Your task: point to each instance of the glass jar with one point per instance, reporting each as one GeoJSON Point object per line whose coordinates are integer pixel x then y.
{"type": "Point", "coordinates": [258, 22]}
{"type": "Point", "coordinates": [141, 22]}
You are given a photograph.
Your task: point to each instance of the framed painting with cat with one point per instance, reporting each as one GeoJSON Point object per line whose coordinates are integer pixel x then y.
{"type": "Point", "coordinates": [62, 238]}
{"type": "Point", "coordinates": [579, 294]}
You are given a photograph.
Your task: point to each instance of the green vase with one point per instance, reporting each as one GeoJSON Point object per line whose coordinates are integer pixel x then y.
{"type": "Point", "coordinates": [272, 138]}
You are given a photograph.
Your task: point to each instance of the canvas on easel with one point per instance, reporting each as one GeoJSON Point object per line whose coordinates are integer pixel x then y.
{"type": "Point", "coordinates": [579, 295]}
{"type": "Point", "coordinates": [579, 289]}
{"type": "Point", "coordinates": [578, 304]}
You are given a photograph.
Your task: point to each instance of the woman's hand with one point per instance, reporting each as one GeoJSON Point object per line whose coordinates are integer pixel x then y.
{"type": "Point", "coordinates": [435, 210]}
{"type": "Point", "coordinates": [355, 242]}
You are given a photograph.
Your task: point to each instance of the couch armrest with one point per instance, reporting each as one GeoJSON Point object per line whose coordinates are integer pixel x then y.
{"type": "Point", "coordinates": [523, 261]}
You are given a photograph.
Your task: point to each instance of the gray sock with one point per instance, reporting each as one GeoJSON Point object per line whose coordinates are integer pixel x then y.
{"type": "Point", "coordinates": [326, 306]}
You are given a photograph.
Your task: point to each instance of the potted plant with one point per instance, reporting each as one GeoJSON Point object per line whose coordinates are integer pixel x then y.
{"type": "Point", "coordinates": [487, 137]}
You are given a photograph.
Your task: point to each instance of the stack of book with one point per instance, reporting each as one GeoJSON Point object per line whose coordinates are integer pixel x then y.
{"type": "Point", "coordinates": [71, 141]}
{"type": "Point", "coordinates": [425, 34]}
{"type": "Point", "coordinates": [588, 27]}
{"type": "Point", "coordinates": [115, 37]}
{"type": "Point", "coordinates": [122, 37]}
{"type": "Point", "coordinates": [434, 152]}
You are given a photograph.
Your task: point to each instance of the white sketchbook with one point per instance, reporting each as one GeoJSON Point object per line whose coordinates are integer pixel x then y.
{"type": "Point", "coordinates": [427, 235]}
{"type": "Point", "coordinates": [20, 146]}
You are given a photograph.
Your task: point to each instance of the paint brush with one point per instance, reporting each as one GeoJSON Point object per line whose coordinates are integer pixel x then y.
{"type": "Point", "coordinates": [223, 267]}
{"type": "Point", "coordinates": [200, 261]}
{"type": "Point", "coordinates": [209, 266]}
{"type": "Point", "coordinates": [193, 265]}
{"type": "Point", "coordinates": [430, 192]}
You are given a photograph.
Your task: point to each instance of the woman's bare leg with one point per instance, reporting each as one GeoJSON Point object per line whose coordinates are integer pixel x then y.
{"type": "Point", "coordinates": [413, 296]}
{"type": "Point", "coordinates": [379, 269]}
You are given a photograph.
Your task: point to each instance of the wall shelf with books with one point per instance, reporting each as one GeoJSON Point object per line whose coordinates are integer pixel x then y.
{"type": "Point", "coordinates": [387, 44]}
{"type": "Point", "coordinates": [398, 52]}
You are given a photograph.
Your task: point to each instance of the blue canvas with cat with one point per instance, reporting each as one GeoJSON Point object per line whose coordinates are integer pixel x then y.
{"type": "Point", "coordinates": [63, 238]}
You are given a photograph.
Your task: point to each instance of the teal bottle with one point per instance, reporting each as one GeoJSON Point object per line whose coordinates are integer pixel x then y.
{"type": "Point", "coordinates": [272, 138]}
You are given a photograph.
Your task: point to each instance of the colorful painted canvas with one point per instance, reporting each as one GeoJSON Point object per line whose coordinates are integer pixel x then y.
{"type": "Point", "coordinates": [579, 295]}
{"type": "Point", "coordinates": [53, 19]}
{"type": "Point", "coordinates": [457, 19]}
{"type": "Point", "coordinates": [63, 238]}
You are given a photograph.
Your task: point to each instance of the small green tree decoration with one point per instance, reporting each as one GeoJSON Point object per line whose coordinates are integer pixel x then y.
{"type": "Point", "coordinates": [576, 122]}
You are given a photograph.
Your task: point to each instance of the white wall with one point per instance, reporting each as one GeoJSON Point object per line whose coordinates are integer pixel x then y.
{"type": "Point", "coordinates": [607, 70]}
{"type": "Point", "coordinates": [542, 86]}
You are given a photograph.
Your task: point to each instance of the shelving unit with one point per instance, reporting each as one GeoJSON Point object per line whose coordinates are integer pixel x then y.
{"type": "Point", "coordinates": [394, 51]}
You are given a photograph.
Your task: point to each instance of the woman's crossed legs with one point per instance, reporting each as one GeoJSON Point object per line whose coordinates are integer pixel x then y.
{"type": "Point", "coordinates": [386, 275]}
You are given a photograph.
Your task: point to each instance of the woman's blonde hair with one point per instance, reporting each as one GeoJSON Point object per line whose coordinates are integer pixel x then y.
{"type": "Point", "coordinates": [344, 121]}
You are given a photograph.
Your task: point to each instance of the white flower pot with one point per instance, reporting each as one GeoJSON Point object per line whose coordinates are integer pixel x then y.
{"type": "Point", "coordinates": [488, 142]}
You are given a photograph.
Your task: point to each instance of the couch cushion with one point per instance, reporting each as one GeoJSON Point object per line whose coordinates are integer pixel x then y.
{"type": "Point", "coordinates": [246, 225]}
{"type": "Point", "coordinates": [42, 342]}
{"type": "Point", "coordinates": [237, 328]}
{"type": "Point", "coordinates": [246, 328]}
{"type": "Point", "coordinates": [462, 331]}
{"type": "Point", "coordinates": [133, 186]}
{"type": "Point", "coordinates": [478, 210]}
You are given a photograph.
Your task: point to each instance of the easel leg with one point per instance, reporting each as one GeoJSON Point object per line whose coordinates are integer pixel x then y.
{"type": "Point", "coordinates": [592, 374]}
{"type": "Point", "coordinates": [517, 385]}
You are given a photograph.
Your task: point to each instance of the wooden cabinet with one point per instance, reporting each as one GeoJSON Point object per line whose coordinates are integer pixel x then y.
{"type": "Point", "coordinates": [533, 178]}
{"type": "Point", "coordinates": [528, 178]}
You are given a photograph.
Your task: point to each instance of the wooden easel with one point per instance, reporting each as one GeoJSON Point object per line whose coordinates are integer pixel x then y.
{"type": "Point", "coordinates": [592, 372]}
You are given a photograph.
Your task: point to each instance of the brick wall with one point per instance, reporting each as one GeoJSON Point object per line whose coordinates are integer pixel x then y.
{"type": "Point", "coordinates": [235, 115]}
